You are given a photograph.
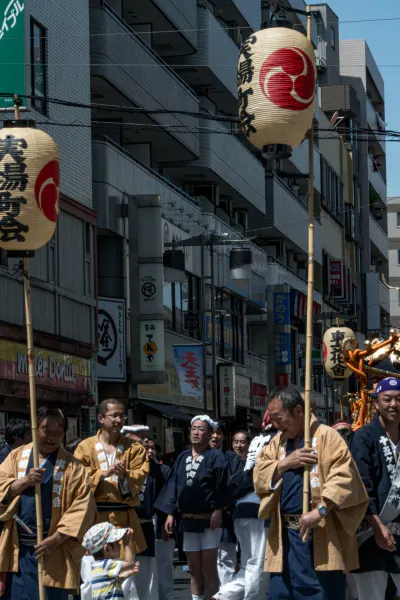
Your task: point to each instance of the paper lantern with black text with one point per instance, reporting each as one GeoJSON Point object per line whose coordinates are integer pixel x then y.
{"type": "Point", "coordinates": [276, 89]}
{"type": "Point", "coordinates": [333, 354]}
{"type": "Point", "coordinates": [29, 186]}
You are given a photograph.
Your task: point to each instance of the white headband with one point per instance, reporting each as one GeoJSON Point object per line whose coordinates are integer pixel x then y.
{"type": "Point", "coordinates": [205, 419]}
{"type": "Point", "coordinates": [134, 428]}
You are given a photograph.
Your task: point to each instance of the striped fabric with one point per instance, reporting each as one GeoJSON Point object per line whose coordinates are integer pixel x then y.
{"type": "Point", "coordinates": [105, 582]}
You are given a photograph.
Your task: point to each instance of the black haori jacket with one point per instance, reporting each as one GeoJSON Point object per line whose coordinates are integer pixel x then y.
{"type": "Point", "coordinates": [373, 455]}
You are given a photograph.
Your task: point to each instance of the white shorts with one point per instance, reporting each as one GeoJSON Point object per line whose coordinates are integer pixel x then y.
{"type": "Point", "coordinates": [195, 542]}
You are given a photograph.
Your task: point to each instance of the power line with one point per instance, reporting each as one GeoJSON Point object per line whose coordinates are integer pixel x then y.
{"type": "Point", "coordinates": [191, 29]}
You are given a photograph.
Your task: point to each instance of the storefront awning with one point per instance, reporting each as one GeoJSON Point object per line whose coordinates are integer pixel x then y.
{"type": "Point", "coordinates": [168, 410]}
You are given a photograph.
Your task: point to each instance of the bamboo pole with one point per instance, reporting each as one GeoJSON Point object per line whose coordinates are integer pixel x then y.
{"type": "Point", "coordinates": [309, 321]}
{"type": "Point", "coordinates": [32, 396]}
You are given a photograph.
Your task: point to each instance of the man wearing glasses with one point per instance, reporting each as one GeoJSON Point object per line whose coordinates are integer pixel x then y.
{"type": "Point", "coordinates": [197, 491]}
{"type": "Point", "coordinates": [117, 470]}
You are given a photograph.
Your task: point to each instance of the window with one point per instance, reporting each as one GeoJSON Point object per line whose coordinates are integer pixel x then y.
{"type": "Point", "coordinates": [179, 298]}
{"type": "Point", "coordinates": [399, 297]}
{"type": "Point", "coordinates": [398, 219]}
{"type": "Point", "coordinates": [398, 257]}
{"type": "Point", "coordinates": [38, 67]}
{"type": "Point", "coordinates": [333, 38]}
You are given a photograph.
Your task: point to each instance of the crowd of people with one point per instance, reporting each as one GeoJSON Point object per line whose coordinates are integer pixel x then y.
{"type": "Point", "coordinates": [113, 513]}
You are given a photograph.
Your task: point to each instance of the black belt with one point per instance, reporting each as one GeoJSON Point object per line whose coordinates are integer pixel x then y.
{"type": "Point", "coordinates": [114, 507]}
{"type": "Point", "coordinates": [26, 539]}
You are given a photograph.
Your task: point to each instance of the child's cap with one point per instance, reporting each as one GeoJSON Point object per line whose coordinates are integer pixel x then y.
{"type": "Point", "coordinates": [101, 534]}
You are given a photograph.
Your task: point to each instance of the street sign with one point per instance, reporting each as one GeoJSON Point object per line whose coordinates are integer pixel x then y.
{"type": "Point", "coordinates": [192, 321]}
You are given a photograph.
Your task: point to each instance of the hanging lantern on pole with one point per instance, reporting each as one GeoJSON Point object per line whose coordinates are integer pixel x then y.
{"type": "Point", "coordinates": [333, 352]}
{"type": "Point", "coordinates": [276, 89]}
{"type": "Point", "coordinates": [29, 192]}
{"type": "Point", "coordinates": [29, 205]}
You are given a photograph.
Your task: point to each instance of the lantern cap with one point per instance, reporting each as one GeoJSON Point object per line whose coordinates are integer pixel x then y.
{"type": "Point", "coordinates": [276, 151]}
{"type": "Point", "coordinates": [278, 23]}
{"type": "Point", "coordinates": [20, 123]}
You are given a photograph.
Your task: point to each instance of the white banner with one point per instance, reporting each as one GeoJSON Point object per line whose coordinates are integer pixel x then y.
{"type": "Point", "coordinates": [111, 357]}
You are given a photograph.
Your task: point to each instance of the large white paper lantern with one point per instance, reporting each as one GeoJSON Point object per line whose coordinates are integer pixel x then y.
{"type": "Point", "coordinates": [333, 356]}
{"type": "Point", "coordinates": [29, 186]}
{"type": "Point", "coordinates": [276, 89]}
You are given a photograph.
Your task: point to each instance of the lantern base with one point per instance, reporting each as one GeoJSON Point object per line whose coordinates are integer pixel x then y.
{"type": "Point", "coordinates": [276, 151]}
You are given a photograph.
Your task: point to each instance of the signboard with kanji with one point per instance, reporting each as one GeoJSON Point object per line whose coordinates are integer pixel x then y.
{"type": "Point", "coordinates": [227, 396]}
{"type": "Point", "coordinates": [282, 350]}
{"type": "Point", "coordinates": [152, 353]}
{"type": "Point", "coordinates": [282, 308]}
{"type": "Point", "coordinates": [12, 51]}
{"type": "Point", "coordinates": [337, 279]}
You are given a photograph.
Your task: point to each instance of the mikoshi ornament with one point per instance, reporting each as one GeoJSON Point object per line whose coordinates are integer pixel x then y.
{"type": "Point", "coordinates": [366, 363]}
{"type": "Point", "coordinates": [29, 186]}
{"type": "Point", "coordinates": [276, 89]}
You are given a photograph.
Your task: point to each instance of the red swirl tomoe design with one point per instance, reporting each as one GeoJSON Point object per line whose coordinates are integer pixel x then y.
{"type": "Point", "coordinates": [47, 188]}
{"type": "Point", "coordinates": [287, 79]}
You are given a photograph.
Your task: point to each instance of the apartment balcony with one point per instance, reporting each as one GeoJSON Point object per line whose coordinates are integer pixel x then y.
{"type": "Point", "coordinates": [286, 216]}
{"type": "Point", "coordinates": [376, 180]}
{"type": "Point", "coordinates": [384, 296]}
{"type": "Point", "coordinates": [375, 123]}
{"type": "Point", "coordinates": [214, 66]}
{"type": "Point", "coordinates": [159, 15]}
{"type": "Point", "coordinates": [256, 367]}
{"type": "Point", "coordinates": [378, 238]}
{"type": "Point", "coordinates": [225, 160]}
{"type": "Point", "coordinates": [299, 160]}
{"type": "Point", "coordinates": [279, 274]}
{"type": "Point", "coordinates": [126, 70]}
{"type": "Point", "coordinates": [118, 175]}
{"type": "Point", "coordinates": [246, 13]}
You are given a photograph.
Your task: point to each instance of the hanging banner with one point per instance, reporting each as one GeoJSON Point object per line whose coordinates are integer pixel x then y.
{"type": "Point", "coordinates": [189, 366]}
{"type": "Point", "coordinates": [12, 51]}
{"type": "Point", "coordinates": [111, 356]}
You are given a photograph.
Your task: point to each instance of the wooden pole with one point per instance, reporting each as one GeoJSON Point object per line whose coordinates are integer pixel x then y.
{"type": "Point", "coordinates": [310, 288]}
{"type": "Point", "coordinates": [32, 396]}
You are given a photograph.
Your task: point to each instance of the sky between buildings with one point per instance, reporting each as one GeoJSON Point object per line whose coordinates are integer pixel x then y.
{"type": "Point", "coordinates": [383, 38]}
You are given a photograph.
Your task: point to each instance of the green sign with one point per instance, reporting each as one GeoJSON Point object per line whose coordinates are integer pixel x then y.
{"type": "Point", "coordinates": [12, 51]}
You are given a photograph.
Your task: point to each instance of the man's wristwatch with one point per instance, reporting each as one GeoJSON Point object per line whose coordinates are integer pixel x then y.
{"type": "Point", "coordinates": [322, 509]}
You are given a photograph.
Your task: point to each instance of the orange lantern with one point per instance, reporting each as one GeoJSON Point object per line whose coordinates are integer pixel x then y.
{"type": "Point", "coordinates": [29, 186]}
{"type": "Point", "coordinates": [277, 83]}
{"type": "Point", "coordinates": [333, 353]}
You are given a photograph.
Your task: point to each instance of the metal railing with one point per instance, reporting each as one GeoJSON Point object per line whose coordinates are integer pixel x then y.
{"type": "Point", "coordinates": [155, 174]}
